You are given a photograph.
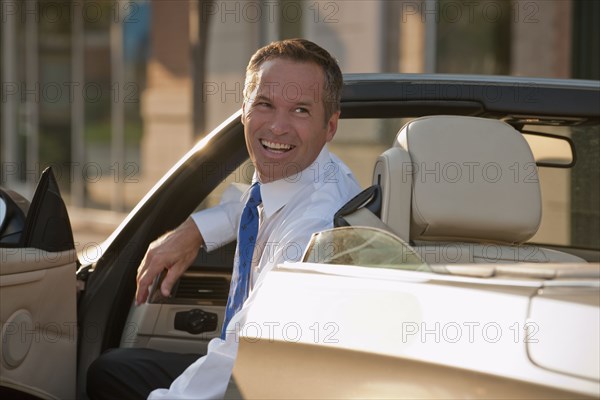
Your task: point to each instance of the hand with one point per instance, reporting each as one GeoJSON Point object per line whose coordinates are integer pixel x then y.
{"type": "Point", "coordinates": [175, 252]}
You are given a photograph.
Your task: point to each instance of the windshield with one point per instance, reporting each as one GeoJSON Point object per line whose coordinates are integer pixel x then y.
{"type": "Point", "coordinates": [364, 246]}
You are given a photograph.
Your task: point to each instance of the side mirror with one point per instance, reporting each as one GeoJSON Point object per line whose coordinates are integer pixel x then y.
{"type": "Point", "coordinates": [42, 224]}
{"type": "Point", "coordinates": [2, 214]}
{"type": "Point", "coordinates": [13, 213]}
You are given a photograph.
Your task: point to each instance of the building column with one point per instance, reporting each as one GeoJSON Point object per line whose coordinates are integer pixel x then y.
{"type": "Point", "coordinates": [541, 47]}
{"type": "Point", "coordinates": [10, 83]}
{"type": "Point", "coordinates": [167, 105]}
{"type": "Point", "coordinates": [541, 38]}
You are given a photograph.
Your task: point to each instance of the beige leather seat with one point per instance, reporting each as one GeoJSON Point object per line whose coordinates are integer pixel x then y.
{"type": "Point", "coordinates": [463, 190]}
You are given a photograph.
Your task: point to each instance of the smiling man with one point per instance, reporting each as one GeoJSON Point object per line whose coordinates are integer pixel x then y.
{"type": "Point", "coordinates": [290, 112]}
{"type": "Point", "coordinates": [286, 123]}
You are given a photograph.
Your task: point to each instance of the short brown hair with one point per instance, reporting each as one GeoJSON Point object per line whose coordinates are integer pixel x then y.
{"type": "Point", "coordinates": [304, 51]}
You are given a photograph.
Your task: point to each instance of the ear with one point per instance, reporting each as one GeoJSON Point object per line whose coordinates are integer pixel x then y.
{"type": "Point", "coordinates": [243, 113]}
{"type": "Point", "coordinates": [332, 126]}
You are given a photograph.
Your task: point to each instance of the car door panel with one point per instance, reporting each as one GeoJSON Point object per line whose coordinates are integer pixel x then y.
{"type": "Point", "coordinates": [39, 325]}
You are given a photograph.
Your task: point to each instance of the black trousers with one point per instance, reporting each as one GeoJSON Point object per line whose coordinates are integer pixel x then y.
{"type": "Point", "coordinates": [131, 374]}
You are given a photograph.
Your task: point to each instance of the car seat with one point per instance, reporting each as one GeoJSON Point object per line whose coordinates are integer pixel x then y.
{"type": "Point", "coordinates": [459, 190]}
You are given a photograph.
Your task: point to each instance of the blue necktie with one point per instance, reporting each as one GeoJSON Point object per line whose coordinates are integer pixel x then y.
{"type": "Point", "coordinates": [238, 292]}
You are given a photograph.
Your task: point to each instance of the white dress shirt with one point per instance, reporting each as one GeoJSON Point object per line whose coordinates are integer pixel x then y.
{"type": "Point", "coordinates": [292, 210]}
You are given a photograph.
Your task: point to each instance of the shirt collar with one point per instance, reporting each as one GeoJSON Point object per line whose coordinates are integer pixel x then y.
{"type": "Point", "coordinates": [278, 193]}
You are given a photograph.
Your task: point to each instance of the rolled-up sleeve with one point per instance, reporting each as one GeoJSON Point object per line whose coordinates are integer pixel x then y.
{"type": "Point", "coordinates": [218, 225]}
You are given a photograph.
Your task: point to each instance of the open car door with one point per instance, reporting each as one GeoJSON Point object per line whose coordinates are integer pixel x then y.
{"type": "Point", "coordinates": [38, 319]}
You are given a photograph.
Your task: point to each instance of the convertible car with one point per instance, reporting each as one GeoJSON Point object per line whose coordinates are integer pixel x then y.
{"type": "Point", "coordinates": [467, 268]}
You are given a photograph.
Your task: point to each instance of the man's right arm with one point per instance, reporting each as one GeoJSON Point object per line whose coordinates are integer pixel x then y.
{"type": "Point", "coordinates": [175, 251]}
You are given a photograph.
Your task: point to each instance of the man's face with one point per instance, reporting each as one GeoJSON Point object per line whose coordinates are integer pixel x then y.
{"type": "Point", "coordinates": [284, 118]}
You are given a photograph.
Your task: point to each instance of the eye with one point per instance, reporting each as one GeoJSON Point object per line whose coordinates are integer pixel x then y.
{"type": "Point", "coordinates": [301, 110]}
{"type": "Point", "coordinates": [262, 104]}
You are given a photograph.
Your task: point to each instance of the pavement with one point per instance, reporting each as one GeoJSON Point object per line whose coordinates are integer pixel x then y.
{"type": "Point", "coordinates": [92, 226]}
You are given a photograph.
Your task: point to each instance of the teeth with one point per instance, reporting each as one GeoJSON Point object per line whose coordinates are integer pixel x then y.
{"type": "Point", "coordinates": [276, 146]}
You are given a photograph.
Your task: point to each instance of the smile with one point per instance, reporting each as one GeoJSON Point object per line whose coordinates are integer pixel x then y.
{"type": "Point", "coordinates": [276, 147]}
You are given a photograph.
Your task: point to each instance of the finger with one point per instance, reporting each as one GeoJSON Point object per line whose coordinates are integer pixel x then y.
{"type": "Point", "coordinates": [142, 268]}
{"type": "Point", "coordinates": [141, 294]}
{"type": "Point", "coordinates": [141, 287]}
{"type": "Point", "coordinates": [173, 274]}
{"type": "Point", "coordinates": [146, 275]}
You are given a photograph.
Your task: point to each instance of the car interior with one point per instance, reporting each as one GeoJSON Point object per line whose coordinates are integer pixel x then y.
{"type": "Point", "coordinates": [488, 218]}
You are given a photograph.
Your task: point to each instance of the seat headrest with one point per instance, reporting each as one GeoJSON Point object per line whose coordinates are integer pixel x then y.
{"type": "Point", "coordinates": [473, 179]}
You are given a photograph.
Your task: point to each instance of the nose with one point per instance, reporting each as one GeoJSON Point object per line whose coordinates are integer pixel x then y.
{"type": "Point", "coordinates": [280, 124]}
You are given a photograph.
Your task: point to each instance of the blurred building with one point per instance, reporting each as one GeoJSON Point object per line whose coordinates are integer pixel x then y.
{"type": "Point", "coordinates": [112, 92]}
